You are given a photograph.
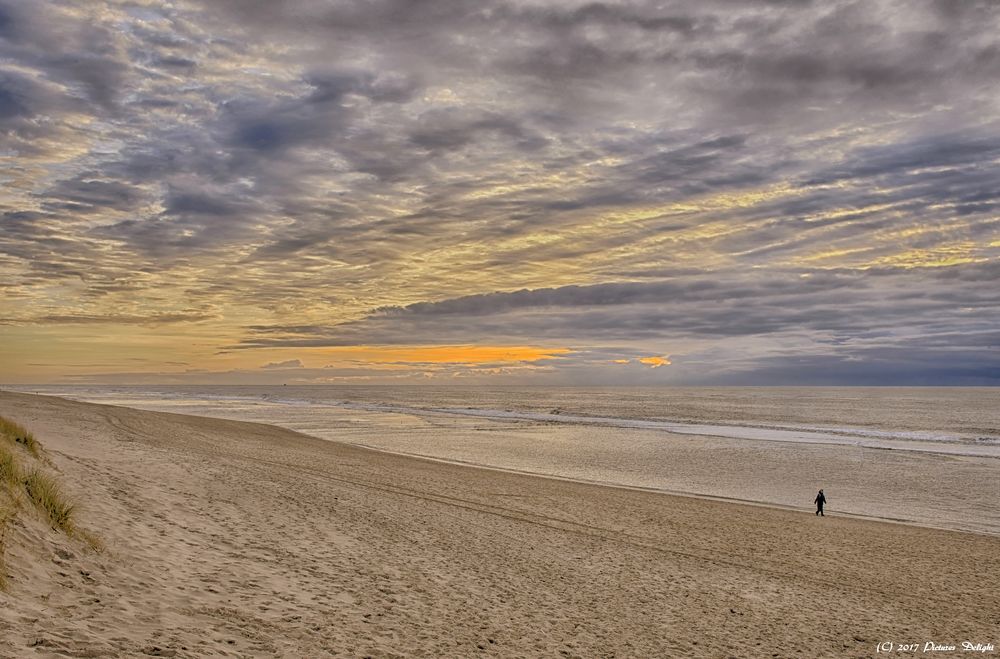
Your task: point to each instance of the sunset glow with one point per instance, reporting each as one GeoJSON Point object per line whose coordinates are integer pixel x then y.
{"type": "Point", "coordinates": [509, 192]}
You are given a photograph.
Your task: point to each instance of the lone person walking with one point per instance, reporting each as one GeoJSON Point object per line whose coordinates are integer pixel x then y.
{"type": "Point", "coordinates": [820, 500]}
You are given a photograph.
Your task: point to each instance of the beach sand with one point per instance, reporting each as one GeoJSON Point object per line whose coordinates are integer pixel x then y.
{"type": "Point", "coordinates": [235, 539]}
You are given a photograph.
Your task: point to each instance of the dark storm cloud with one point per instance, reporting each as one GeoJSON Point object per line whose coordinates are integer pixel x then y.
{"type": "Point", "coordinates": [13, 103]}
{"type": "Point", "coordinates": [846, 308]}
{"type": "Point", "coordinates": [948, 151]}
{"type": "Point", "coordinates": [507, 170]}
{"type": "Point", "coordinates": [22, 101]}
{"type": "Point", "coordinates": [176, 63]}
{"type": "Point", "coordinates": [889, 368]}
{"type": "Point", "coordinates": [316, 116]}
{"type": "Point", "coordinates": [451, 130]}
{"type": "Point", "coordinates": [80, 193]}
{"type": "Point", "coordinates": [199, 202]}
{"type": "Point", "coordinates": [82, 56]}
{"type": "Point", "coordinates": [698, 290]}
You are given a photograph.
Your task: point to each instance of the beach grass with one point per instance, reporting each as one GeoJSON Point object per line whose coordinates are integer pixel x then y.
{"type": "Point", "coordinates": [9, 471]}
{"type": "Point", "coordinates": [23, 480]}
{"type": "Point", "coordinates": [9, 477]}
{"type": "Point", "coordinates": [18, 481]}
{"type": "Point", "coordinates": [91, 539]}
{"type": "Point", "coordinates": [20, 435]}
{"type": "Point", "coordinates": [47, 496]}
{"type": "Point", "coordinates": [6, 515]}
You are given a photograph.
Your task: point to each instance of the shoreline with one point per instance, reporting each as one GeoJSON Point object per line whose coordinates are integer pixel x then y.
{"type": "Point", "coordinates": [242, 539]}
{"type": "Point", "coordinates": [661, 491]}
{"type": "Point", "coordinates": [932, 490]}
{"type": "Point", "coordinates": [598, 483]}
{"type": "Point", "coordinates": [925, 441]}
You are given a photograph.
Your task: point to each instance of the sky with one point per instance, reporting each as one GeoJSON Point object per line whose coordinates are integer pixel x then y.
{"type": "Point", "coordinates": [498, 192]}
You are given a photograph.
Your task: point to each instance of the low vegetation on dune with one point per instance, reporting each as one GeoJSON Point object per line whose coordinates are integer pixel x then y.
{"type": "Point", "coordinates": [25, 483]}
{"type": "Point", "coordinates": [8, 467]}
{"type": "Point", "coordinates": [44, 492]}
{"type": "Point", "coordinates": [18, 434]}
{"type": "Point", "coordinates": [6, 515]}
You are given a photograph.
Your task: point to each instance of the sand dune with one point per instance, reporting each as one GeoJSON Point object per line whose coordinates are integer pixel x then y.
{"type": "Point", "coordinates": [234, 539]}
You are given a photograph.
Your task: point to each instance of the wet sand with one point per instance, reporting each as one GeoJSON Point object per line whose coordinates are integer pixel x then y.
{"type": "Point", "coordinates": [235, 539]}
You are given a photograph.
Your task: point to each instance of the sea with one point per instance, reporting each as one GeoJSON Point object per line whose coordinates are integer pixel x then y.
{"type": "Point", "coordinates": [928, 456]}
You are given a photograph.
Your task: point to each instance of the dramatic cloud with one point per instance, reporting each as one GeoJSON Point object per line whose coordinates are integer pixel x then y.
{"type": "Point", "coordinates": [765, 192]}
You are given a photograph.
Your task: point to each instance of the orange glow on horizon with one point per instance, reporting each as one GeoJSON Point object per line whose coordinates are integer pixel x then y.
{"type": "Point", "coordinates": [655, 362]}
{"type": "Point", "coordinates": [460, 354]}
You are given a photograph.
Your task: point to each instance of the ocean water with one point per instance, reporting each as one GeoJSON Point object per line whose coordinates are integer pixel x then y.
{"type": "Point", "coordinates": [924, 455]}
{"type": "Point", "coordinates": [960, 421]}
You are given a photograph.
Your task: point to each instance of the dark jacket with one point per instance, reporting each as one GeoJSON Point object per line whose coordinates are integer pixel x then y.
{"type": "Point", "coordinates": [820, 499]}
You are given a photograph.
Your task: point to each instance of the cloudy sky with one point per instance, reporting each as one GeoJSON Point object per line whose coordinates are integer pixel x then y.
{"type": "Point", "coordinates": [500, 191]}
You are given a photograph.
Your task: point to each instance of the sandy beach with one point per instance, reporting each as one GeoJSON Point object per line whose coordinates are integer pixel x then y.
{"type": "Point", "coordinates": [225, 538]}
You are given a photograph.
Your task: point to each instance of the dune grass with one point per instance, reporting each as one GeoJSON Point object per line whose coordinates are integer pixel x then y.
{"type": "Point", "coordinates": [39, 487]}
{"type": "Point", "coordinates": [6, 515]}
{"type": "Point", "coordinates": [20, 435]}
{"type": "Point", "coordinates": [44, 491]}
{"type": "Point", "coordinates": [24, 481]}
{"type": "Point", "coordinates": [9, 472]}
{"type": "Point", "coordinates": [9, 477]}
